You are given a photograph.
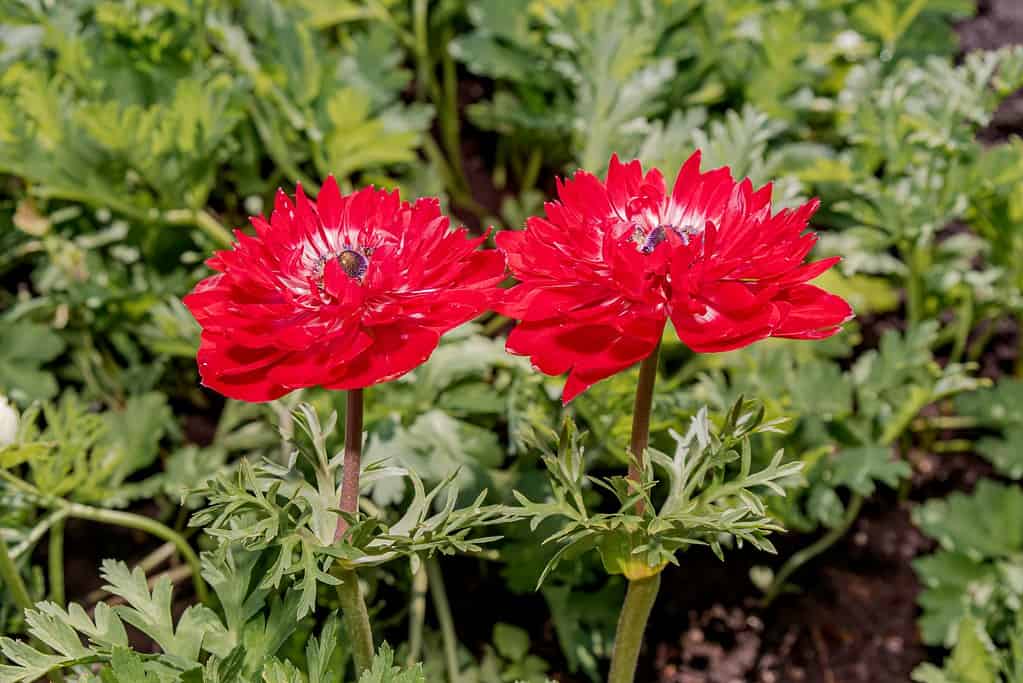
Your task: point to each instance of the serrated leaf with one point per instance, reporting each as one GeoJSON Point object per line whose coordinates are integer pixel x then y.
{"type": "Point", "coordinates": [861, 469]}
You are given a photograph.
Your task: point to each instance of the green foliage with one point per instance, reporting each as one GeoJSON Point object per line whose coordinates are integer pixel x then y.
{"type": "Point", "coordinates": [846, 419]}
{"type": "Point", "coordinates": [977, 572]}
{"type": "Point", "coordinates": [88, 457]}
{"type": "Point", "coordinates": [24, 349]}
{"type": "Point", "coordinates": [240, 642]}
{"type": "Point", "coordinates": [278, 508]}
{"type": "Point", "coordinates": [134, 134]}
{"type": "Point", "coordinates": [706, 499]}
{"type": "Point", "coordinates": [998, 408]}
{"type": "Point", "coordinates": [975, 659]}
{"type": "Point", "coordinates": [384, 671]}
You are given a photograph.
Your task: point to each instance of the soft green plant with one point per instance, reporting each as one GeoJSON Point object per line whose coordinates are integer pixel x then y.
{"type": "Point", "coordinates": [977, 572]}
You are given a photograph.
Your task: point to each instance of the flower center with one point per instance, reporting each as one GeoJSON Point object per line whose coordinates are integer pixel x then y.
{"type": "Point", "coordinates": [646, 242]}
{"type": "Point", "coordinates": [353, 263]}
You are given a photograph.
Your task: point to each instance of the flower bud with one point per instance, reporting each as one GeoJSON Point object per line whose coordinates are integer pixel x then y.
{"type": "Point", "coordinates": [8, 423]}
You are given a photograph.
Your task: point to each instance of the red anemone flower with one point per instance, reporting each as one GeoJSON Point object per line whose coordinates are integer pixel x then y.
{"type": "Point", "coordinates": [342, 293]}
{"type": "Point", "coordinates": [611, 262]}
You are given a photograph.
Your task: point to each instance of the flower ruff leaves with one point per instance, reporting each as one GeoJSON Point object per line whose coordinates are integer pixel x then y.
{"type": "Point", "coordinates": [344, 292]}
{"type": "Point", "coordinates": [711, 493]}
{"type": "Point", "coordinates": [611, 262]}
{"type": "Point", "coordinates": [270, 506]}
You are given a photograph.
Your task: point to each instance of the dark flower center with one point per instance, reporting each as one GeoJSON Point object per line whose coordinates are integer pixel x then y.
{"type": "Point", "coordinates": [646, 242]}
{"type": "Point", "coordinates": [353, 263]}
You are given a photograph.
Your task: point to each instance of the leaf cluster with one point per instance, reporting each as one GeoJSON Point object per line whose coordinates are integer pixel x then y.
{"type": "Point", "coordinates": [290, 511]}
{"type": "Point", "coordinates": [711, 495]}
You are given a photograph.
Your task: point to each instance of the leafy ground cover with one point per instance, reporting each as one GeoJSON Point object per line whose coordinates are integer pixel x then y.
{"type": "Point", "coordinates": [134, 135]}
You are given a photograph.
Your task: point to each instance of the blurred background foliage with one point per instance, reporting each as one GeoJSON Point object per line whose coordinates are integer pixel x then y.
{"type": "Point", "coordinates": [135, 135]}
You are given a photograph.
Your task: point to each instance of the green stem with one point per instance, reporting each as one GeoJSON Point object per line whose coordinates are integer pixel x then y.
{"type": "Point", "coordinates": [420, 23]}
{"type": "Point", "coordinates": [37, 532]}
{"type": "Point", "coordinates": [444, 618]}
{"type": "Point", "coordinates": [417, 616]}
{"type": "Point", "coordinates": [450, 125]}
{"type": "Point", "coordinates": [964, 323]}
{"type": "Point", "coordinates": [642, 592]}
{"type": "Point", "coordinates": [639, 601]}
{"type": "Point", "coordinates": [532, 171]}
{"type": "Point", "coordinates": [203, 220]}
{"type": "Point", "coordinates": [800, 558]}
{"type": "Point", "coordinates": [150, 526]}
{"type": "Point", "coordinates": [56, 562]}
{"type": "Point", "coordinates": [495, 325]}
{"type": "Point", "coordinates": [988, 327]}
{"type": "Point", "coordinates": [360, 633]}
{"type": "Point", "coordinates": [915, 285]}
{"type": "Point", "coordinates": [12, 579]}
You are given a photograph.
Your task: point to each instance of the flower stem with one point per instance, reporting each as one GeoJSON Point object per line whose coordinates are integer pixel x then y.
{"type": "Point", "coordinates": [915, 291]}
{"type": "Point", "coordinates": [12, 579]}
{"type": "Point", "coordinates": [642, 592]}
{"type": "Point", "coordinates": [132, 521]}
{"type": "Point", "coordinates": [641, 418]}
{"type": "Point", "coordinates": [360, 633]}
{"type": "Point", "coordinates": [56, 562]}
{"type": "Point", "coordinates": [639, 601]}
{"type": "Point", "coordinates": [800, 558]}
{"type": "Point", "coordinates": [349, 501]}
{"type": "Point", "coordinates": [447, 623]}
{"type": "Point", "coordinates": [417, 616]}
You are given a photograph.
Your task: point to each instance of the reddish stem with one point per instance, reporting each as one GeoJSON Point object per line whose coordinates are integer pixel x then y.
{"type": "Point", "coordinates": [641, 418]}
{"type": "Point", "coordinates": [353, 460]}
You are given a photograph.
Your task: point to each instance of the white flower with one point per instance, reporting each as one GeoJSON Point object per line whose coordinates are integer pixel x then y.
{"type": "Point", "coordinates": [8, 423]}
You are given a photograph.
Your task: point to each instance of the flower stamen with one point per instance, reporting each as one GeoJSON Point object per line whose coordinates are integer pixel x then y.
{"type": "Point", "coordinates": [353, 263]}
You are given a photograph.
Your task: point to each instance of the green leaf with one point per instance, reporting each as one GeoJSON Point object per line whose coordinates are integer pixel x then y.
{"type": "Point", "coordinates": [383, 670]}
{"type": "Point", "coordinates": [150, 612]}
{"type": "Point", "coordinates": [24, 348]}
{"type": "Point", "coordinates": [979, 570]}
{"type": "Point", "coordinates": [860, 469]}
{"type": "Point", "coordinates": [135, 432]}
{"type": "Point", "coordinates": [998, 406]}
{"type": "Point", "coordinates": [277, 671]}
{"type": "Point", "coordinates": [511, 642]}
{"type": "Point", "coordinates": [964, 523]}
{"type": "Point", "coordinates": [972, 659]}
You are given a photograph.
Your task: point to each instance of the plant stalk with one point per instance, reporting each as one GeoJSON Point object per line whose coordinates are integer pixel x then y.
{"type": "Point", "coordinates": [642, 592]}
{"type": "Point", "coordinates": [12, 579]}
{"type": "Point", "coordinates": [641, 419]}
{"type": "Point", "coordinates": [56, 562]}
{"type": "Point", "coordinates": [811, 551]}
{"type": "Point", "coordinates": [444, 618]}
{"type": "Point", "coordinates": [349, 500]}
{"type": "Point", "coordinates": [639, 601]}
{"type": "Point", "coordinates": [417, 616]}
{"type": "Point", "coordinates": [150, 526]}
{"type": "Point", "coordinates": [360, 632]}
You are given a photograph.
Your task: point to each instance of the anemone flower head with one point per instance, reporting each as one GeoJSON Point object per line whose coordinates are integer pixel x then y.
{"type": "Point", "coordinates": [343, 292]}
{"type": "Point", "coordinates": [612, 261]}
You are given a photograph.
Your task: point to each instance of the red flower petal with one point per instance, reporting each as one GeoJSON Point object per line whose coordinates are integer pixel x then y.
{"type": "Point", "coordinates": [343, 292]}
{"type": "Point", "coordinates": [602, 271]}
